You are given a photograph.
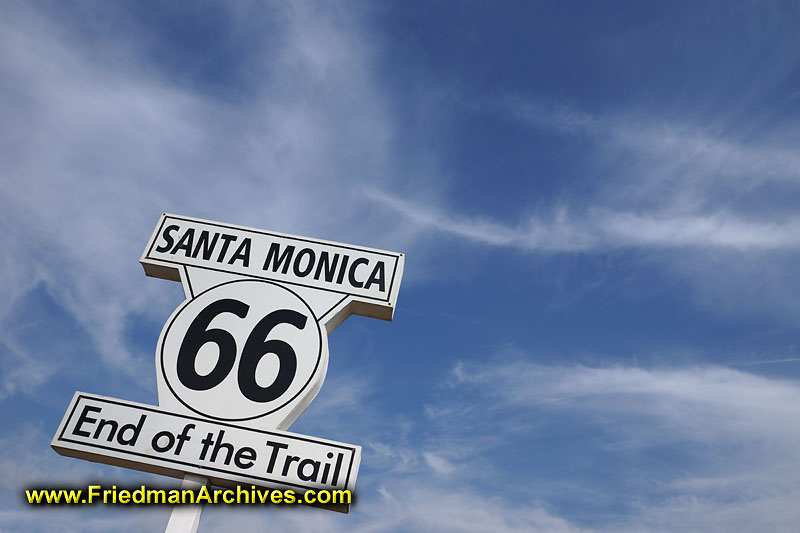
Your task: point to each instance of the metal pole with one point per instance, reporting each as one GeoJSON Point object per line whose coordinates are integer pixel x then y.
{"type": "Point", "coordinates": [185, 518]}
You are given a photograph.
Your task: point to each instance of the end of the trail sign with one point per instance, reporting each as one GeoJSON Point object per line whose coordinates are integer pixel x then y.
{"type": "Point", "coordinates": [240, 358]}
{"type": "Point", "coordinates": [146, 438]}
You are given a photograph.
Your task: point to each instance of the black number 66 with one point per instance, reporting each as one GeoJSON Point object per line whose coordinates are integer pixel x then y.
{"type": "Point", "coordinates": [256, 347]}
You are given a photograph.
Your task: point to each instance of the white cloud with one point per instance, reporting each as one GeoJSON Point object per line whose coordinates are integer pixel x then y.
{"type": "Point", "coordinates": [102, 142]}
{"type": "Point", "coordinates": [403, 485]}
{"type": "Point", "coordinates": [438, 464]}
{"type": "Point", "coordinates": [683, 152]}
{"type": "Point", "coordinates": [730, 433]}
{"type": "Point", "coordinates": [668, 185]}
{"type": "Point", "coordinates": [28, 462]}
{"type": "Point", "coordinates": [445, 508]}
{"type": "Point", "coordinates": [712, 206]}
{"type": "Point", "coordinates": [603, 229]}
{"type": "Point", "coordinates": [413, 505]}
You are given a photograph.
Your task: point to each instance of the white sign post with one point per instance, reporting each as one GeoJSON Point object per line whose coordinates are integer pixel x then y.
{"type": "Point", "coordinates": [238, 361]}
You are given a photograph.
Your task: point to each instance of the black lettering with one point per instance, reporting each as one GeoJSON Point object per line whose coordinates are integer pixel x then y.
{"type": "Point", "coordinates": [168, 237]}
{"type": "Point", "coordinates": [85, 418]}
{"type": "Point", "coordinates": [219, 445]}
{"type": "Point", "coordinates": [314, 470]}
{"type": "Point", "coordinates": [275, 447]}
{"type": "Point", "coordinates": [185, 243]}
{"type": "Point", "coordinates": [285, 259]}
{"type": "Point", "coordinates": [301, 273]}
{"type": "Point", "coordinates": [352, 277]}
{"type": "Point", "coordinates": [183, 437]}
{"type": "Point", "coordinates": [243, 253]}
{"type": "Point", "coordinates": [337, 468]}
{"type": "Point", "coordinates": [289, 460]}
{"type": "Point", "coordinates": [244, 457]}
{"type": "Point", "coordinates": [207, 441]}
{"type": "Point", "coordinates": [208, 247]}
{"type": "Point", "coordinates": [328, 265]}
{"type": "Point", "coordinates": [378, 276]}
{"type": "Point", "coordinates": [110, 423]}
{"type": "Point", "coordinates": [327, 469]}
{"type": "Point", "coordinates": [226, 241]}
{"type": "Point", "coordinates": [340, 278]}
{"type": "Point", "coordinates": [136, 428]}
{"type": "Point", "coordinates": [157, 437]}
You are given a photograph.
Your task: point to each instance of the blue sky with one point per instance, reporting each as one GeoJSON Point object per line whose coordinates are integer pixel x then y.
{"type": "Point", "coordinates": [597, 327]}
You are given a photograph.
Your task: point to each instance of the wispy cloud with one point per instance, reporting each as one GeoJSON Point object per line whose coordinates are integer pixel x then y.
{"type": "Point", "coordinates": [603, 229]}
{"type": "Point", "coordinates": [732, 444]}
{"type": "Point", "coordinates": [705, 201]}
{"type": "Point", "coordinates": [412, 505]}
{"type": "Point", "coordinates": [732, 457]}
{"type": "Point", "coordinates": [684, 152]}
{"type": "Point", "coordinates": [667, 184]}
{"type": "Point", "coordinates": [99, 141]}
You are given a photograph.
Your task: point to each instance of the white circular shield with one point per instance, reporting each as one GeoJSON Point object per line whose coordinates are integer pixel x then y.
{"type": "Point", "coordinates": [242, 350]}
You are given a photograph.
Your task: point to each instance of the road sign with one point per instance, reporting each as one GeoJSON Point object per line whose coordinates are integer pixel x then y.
{"type": "Point", "coordinates": [147, 438]}
{"type": "Point", "coordinates": [246, 350]}
{"type": "Point", "coordinates": [341, 278]}
{"type": "Point", "coordinates": [239, 360]}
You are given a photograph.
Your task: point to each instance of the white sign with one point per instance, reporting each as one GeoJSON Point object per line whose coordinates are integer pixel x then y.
{"type": "Point", "coordinates": [242, 351]}
{"type": "Point", "coordinates": [146, 438]}
{"type": "Point", "coordinates": [366, 279]}
{"type": "Point", "coordinates": [240, 359]}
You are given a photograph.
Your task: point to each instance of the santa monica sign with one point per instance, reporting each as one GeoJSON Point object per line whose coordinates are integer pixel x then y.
{"type": "Point", "coordinates": [239, 359]}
